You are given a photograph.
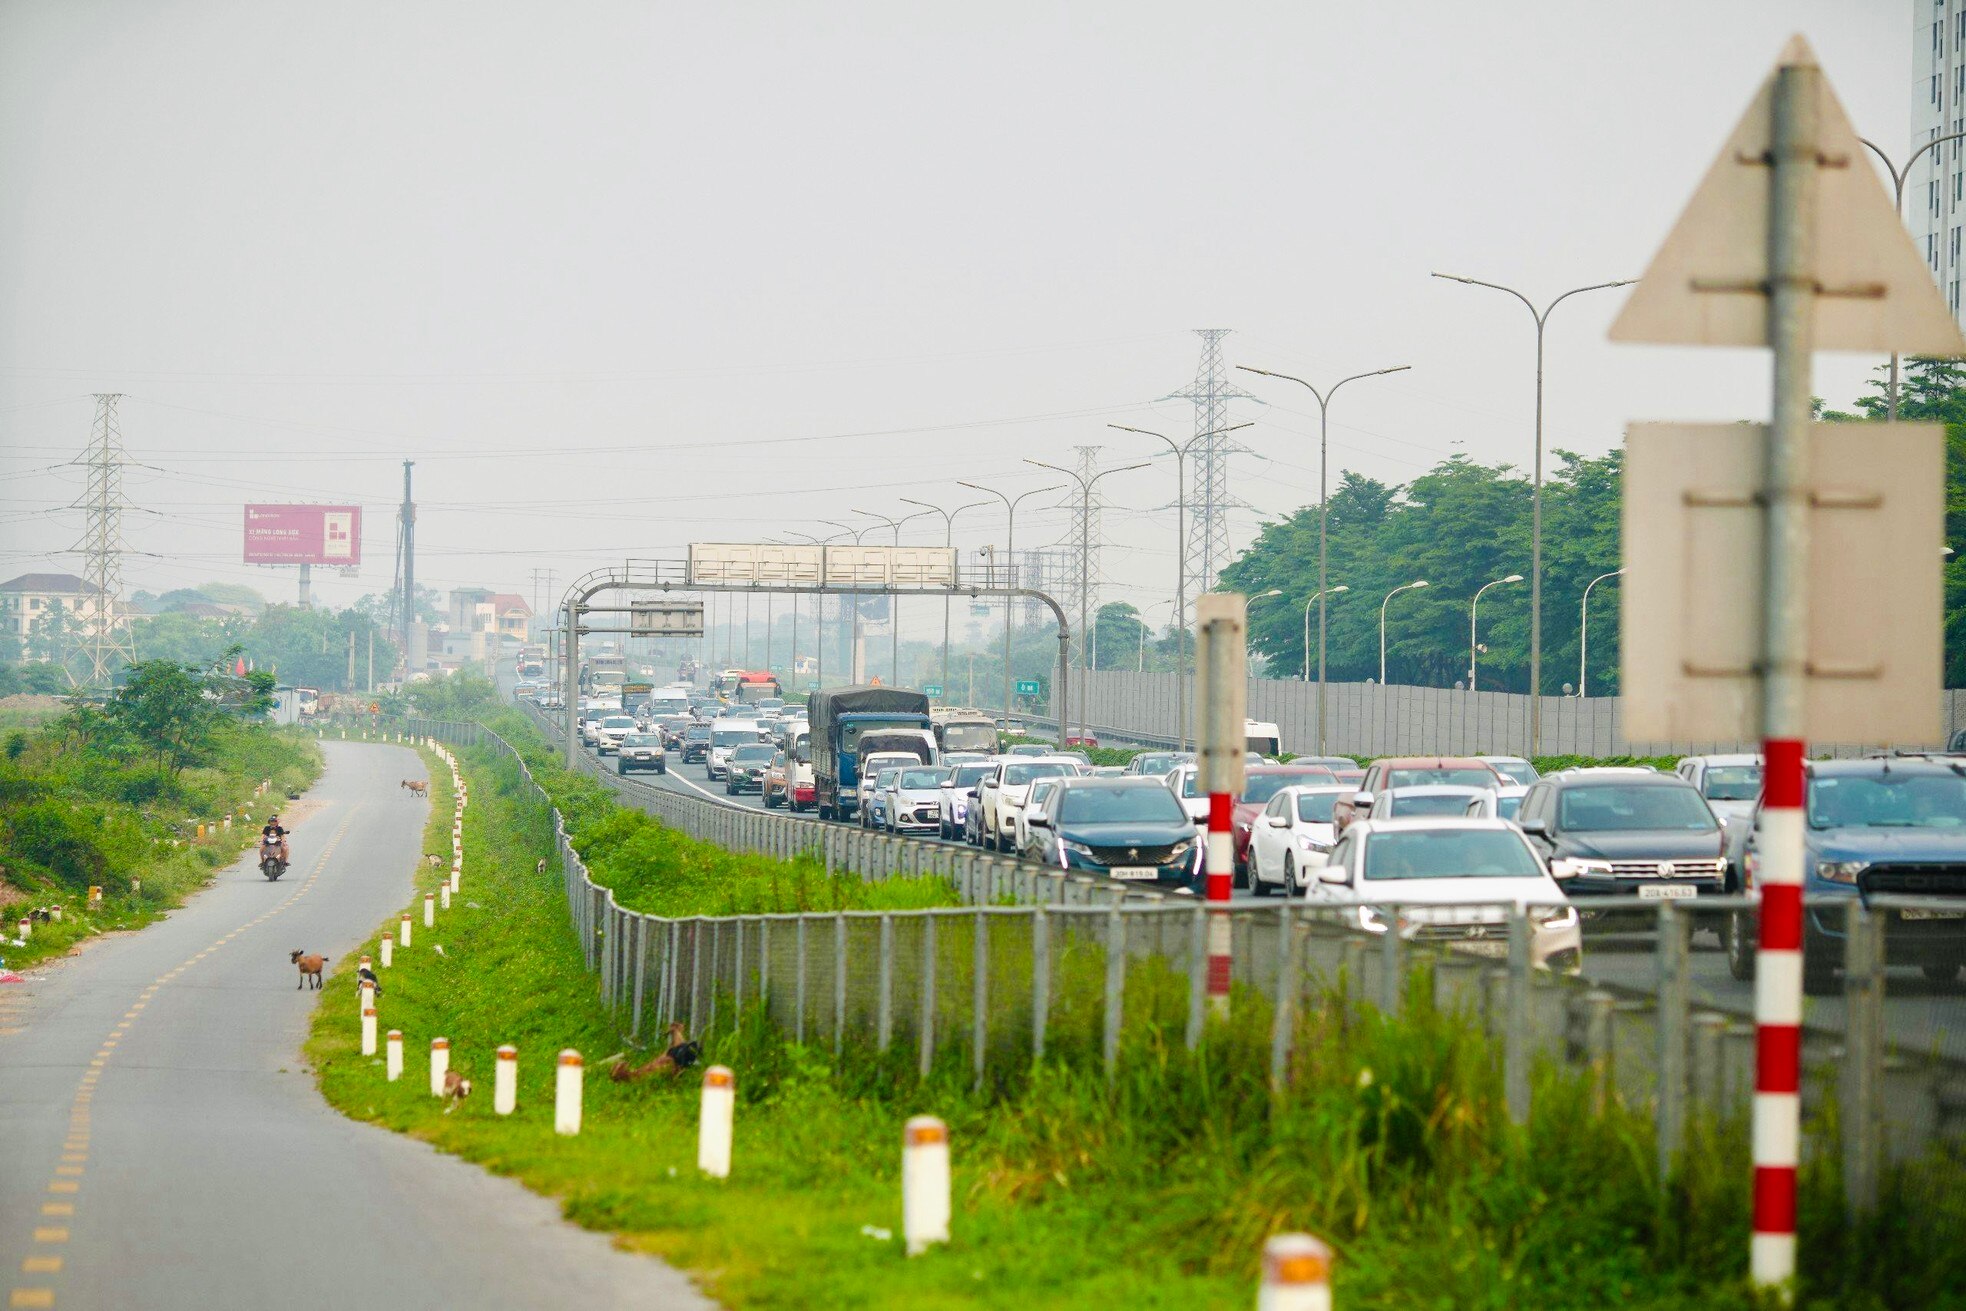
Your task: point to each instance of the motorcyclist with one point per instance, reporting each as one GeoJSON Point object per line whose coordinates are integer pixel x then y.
{"type": "Point", "coordinates": [273, 834]}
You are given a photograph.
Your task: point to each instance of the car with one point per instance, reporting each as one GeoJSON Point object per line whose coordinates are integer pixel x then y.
{"type": "Point", "coordinates": [1405, 771]}
{"type": "Point", "coordinates": [913, 803]}
{"type": "Point", "coordinates": [1156, 764]}
{"type": "Point", "coordinates": [1000, 792]}
{"type": "Point", "coordinates": [952, 819]}
{"type": "Point", "coordinates": [1336, 764]}
{"type": "Point", "coordinates": [1184, 781]}
{"type": "Point", "coordinates": [744, 768]}
{"type": "Point", "coordinates": [672, 728]}
{"type": "Point", "coordinates": [1427, 801]}
{"type": "Point", "coordinates": [1106, 771]}
{"type": "Point", "coordinates": [695, 745]}
{"type": "Point", "coordinates": [1020, 825]}
{"type": "Point", "coordinates": [1030, 749]}
{"type": "Point", "coordinates": [1259, 784]}
{"type": "Point", "coordinates": [871, 766]}
{"type": "Point", "coordinates": [1730, 783]}
{"type": "Point", "coordinates": [1879, 826]}
{"type": "Point", "coordinates": [640, 751]}
{"type": "Point", "coordinates": [1453, 880]}
{"type": "Point", "coordinates": [1503, 803]}
{"type": "Point", "coordinates": [874, 795]}
{"type": "Point", "coordinates": [1625, 832]}
{"type": "Point", "coordinates": [1513, 769]}
{"type": "Point", "coordinates": [607, 737]}
{"type": "Point", "coordinates": [963, 757]}
{"type": "Point", "coordinates": [589, 722]}
{"type": "Point", "coordinates": [1291, 837]}
{"type": "Point", "coordinates": [788, 782]}
{"type": "Point", "coordinates": [1128, 829]}
{"type": "Point", "coordinates": [725, 737]}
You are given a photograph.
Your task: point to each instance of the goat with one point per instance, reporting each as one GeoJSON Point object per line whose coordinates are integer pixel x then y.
{"type": "Point", "coordinates": [432, 859]}
{"type": "Point", "coordinates": [540, 868]}
{"type": "Point", "coordinates": [416, 786]}
{"type": "Point", "coordinates": [677, 1057]}
{"type": "Point", "coordinates": [456, 1089]}
{"type": "Point", "coordinates": [364, 974]}
{"type": "Point", "coordinates": [310, 968]}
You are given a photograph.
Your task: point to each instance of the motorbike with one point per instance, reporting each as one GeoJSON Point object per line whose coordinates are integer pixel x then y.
{"type": "Point", "coordinates": [272, 858]}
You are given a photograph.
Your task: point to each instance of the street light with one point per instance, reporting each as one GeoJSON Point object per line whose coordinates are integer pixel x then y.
{"type": "Point", "coordinates": [1323, 505]}
{"type": "Point", "coordinates": [818, 612]}
{"type": "Point", "coordinates": [1541, 317]}
{"type": "Point", "coordinates": [1085, 565]}
{"type": "Point", "coordinates": [1406, 587]}
{"type": "Point", "coordinates": [854, 672]}
{"type": "Point", "coordinates": [949, 544]}
{"type": "Point", "coordinates": [1474, 646]}
{"type": "Point", "coordinates": [1584, 632]}
{"type": "Point", "coordinates": [893, 597]}
{"type": "Point", "coordinates": [1010, 567]}
{"type": "Point", "coordinates": [1898, 179]}
{"type": "Point", "coordinates": [1321, 592]}
{"type": "Point", "coordinates": [1180, 450]}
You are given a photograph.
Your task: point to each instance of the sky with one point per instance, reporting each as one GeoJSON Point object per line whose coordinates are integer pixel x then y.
{"type": "Point", "coordinates": [624, 276]}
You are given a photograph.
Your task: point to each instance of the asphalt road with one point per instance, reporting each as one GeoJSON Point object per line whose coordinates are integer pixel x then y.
{"type": "Point", "coordinates": [162, 1146]}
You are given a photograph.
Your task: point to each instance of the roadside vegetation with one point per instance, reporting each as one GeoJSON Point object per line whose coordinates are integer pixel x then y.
{"type": "Point", "coordinates": [111, 794]}
{"type": "Point", "coordinates": [1156, 1191]}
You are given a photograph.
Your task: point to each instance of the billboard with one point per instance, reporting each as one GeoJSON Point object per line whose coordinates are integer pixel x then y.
{"type": "Point", "coordinates": [304, 534]}
{"type": "Point", "coordinates": [907, 568]}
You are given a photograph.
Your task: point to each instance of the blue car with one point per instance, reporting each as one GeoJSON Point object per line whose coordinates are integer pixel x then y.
{"type": "Point", "coordinates": [1132, 829]}
{"type": "Point", "coordinates": [1881, 826]}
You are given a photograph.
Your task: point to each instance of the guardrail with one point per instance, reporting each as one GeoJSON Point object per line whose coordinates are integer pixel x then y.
{"type": "Point", "coordinates": [1036, 964]}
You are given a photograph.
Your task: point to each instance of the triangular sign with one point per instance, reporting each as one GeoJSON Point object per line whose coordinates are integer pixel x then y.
{"type": "Point", "coordinates": [1704, 285]}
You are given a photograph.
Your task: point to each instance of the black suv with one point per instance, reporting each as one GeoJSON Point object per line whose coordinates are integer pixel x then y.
{"type": "Point", "coordinates": [696, 744]}
{"type": "Point", "coordinates": [1625, 832]}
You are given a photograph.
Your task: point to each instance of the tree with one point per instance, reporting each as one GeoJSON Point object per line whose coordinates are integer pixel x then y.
{"type": "Point", "coordinates": [164, 707]}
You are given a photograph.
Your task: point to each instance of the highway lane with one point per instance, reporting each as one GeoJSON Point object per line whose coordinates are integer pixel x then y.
{"type": "Point", "coordinates": [162, 1145]}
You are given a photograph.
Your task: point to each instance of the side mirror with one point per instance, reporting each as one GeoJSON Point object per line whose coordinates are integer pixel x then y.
{"type": "Point", "coordinates": [1279, 821]}
{"type": "Point", "coordinates": [1362, 800]}
{"type": "Point", "coordinates": [1037, 821]}
{"type": "Point", "coordinates": [947, 783]}
{"type": "Point", "coordinates": [1334, 874]}
{"type": "Point", "coordinates": [1540, 827]}
{"type": "Point", "coordinates": [971, 794]}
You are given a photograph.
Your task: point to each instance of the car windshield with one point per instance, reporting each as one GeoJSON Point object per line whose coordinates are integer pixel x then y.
{"type": "Point", "coordinates": [969, 737]}
{"type": "Point", "coordinates": [1733, 783]}
{"type": "Point", "coordinates": [1463, 777]}
{"type": "Point", "coordinates": [970, 775]}
{"type": "Point", "coordinates": [1120, 805]}
{"type": "Point", "coordinates": [1508, 807]}
{"type": "Point", "coordinates": [1018, 775]}
{"type": "Point", "coordinates": [923, 778]}
{"type": "Point", "coordinates": [1315, 807]}
{"type": "Point", "coordinates": [1450, 853]}
{"type": "Point", "coordinates": [753, 755]}
{"type": "Point", "coordinates": [1426, 803]}
{"type": "Point", "coordinates": [1612, 807]}
{"type": "Point", "coordinates": [1259, 788]}
{"type": "Point", "coordinates": [1888, 801]}
{"type": "Point", "coordinates": [1516, 771]}
{"type": "Point", "coordinates": [885, 778]}
{"type": "Point", "coordinates": [697, 731]}
{"type": "Point", "coordinates": [736, 734]}
{"type": "Point", "coordinates": [641, 740]}
{"type": "Point", "coordinates": [618, 722]}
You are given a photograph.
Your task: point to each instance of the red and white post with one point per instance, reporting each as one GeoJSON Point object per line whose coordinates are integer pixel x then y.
{"type": "Point", "coordinates": [1296, 1274]}
{"type": "Point", "coordinates": [505, 1081]}
{"type": "Point", "coordinates": [392, 1055]}
{"type": "Point", "coordinates": [566, 1093]}
{"type": "Point", "coordinates": [925, 1186]}
{"type": "Point", "coordinates": [440, 1064]}
{"type": "Point", "coordinates": [1220, 663]}
{"type": "Point", "coordinates": [1777, 1120]}
{"type": "Point", "coordinates": [715, 1122]}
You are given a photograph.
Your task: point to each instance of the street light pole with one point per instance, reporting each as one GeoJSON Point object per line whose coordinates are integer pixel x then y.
{"type": "Point", "coordinates": [1315, 596]}
{"type": "Point", "coordinates": [1085, 567]}
{"type": "Point", "coordinates": [893, 597]}
{"type": "Point", "coordinates": [948, 544]}
{"type": "Point", "coordinates": [1180, 450]}
{"type": "Point", "coordinates": [818, 612]}
{"type": "Point", "coordinates": [1474, 607]}
{"type": "Point", "coordinates": [854, 672]}
{"type": "Point", "coordinates": [1010, 567]}
{"type": "Point", "coordinates": [1584, 632]}
{"type": "Point", "coordinates": [1536, 497]}
{"type": "Point", "coordinates": [1404, 587]}
{"type": "Point", "coordinates": [1323, 505]}
{"type": "Point", "coordinates": [1898, 179]}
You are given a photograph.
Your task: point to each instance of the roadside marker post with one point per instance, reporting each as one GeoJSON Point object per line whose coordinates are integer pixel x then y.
{"type": "Point", "coordinates": [925, 1208]}
{"type": "Point", "coordinates": [1220, 664]}
{"type": "Point", "coordinates": [1790, 242]}
{"type": "Point", "coordinates": [1296, 1274]}
{"type": "Point", "coordinates": [714, 1125]}
{"type": "Point", "coordinates": [387, 952]}
{"type": "Point", "coordinates": [365, 992]}
{"type": "Point", "coordinates": [440, 1064]}
{"type": "Point", "coordinates": [444, 895]}
{"type": "Point", "coordinates": [505, 1081]}
{"type": "Point", "coordinates": [429, 910]}
{"type": "Point", "coordinates": [392, 1055]}
{"type": "Point", "coordinates": [403, 930]}
{"type": "Point", "coordinates": [368, 1031]}
{"type": "Point", "coordinates": [566, 1093]}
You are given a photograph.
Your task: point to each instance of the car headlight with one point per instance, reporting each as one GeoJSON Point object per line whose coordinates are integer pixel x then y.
{"type": "Point", "coordinates": [1179, 849]}
{"type": "Point", "coordinates": [1841, 871]}
{"type": "Point", "coordinates": [1076, 848]}
{"type": "Point", "coordinates": [1310, 843]}
{"type": "Point", "coordinates": [1565, 918]}
{"type": "Point", "coordinates": [1568, 867]}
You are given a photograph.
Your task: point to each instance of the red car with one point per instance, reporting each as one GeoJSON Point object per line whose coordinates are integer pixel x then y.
{"type": "Point", "coordinates": [1260, 783]}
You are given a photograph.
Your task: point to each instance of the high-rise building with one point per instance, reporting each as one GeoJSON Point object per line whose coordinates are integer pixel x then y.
{"type": "Point", "coordinates": [1935, 192]}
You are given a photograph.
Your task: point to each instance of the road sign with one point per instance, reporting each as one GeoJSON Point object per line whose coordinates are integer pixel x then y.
{"type": "Point", "coordinates": [1693, 526]}
{"type": "Point", "coordinates": [813, 686]}
{"type": "Point", "coordinates": [932, 689]}
{"type": "Point", "coordinates": [1028, 687]}
{"type": "Point", "coordinates": [871, 567]}
{"type": "Point", "coordinates": [1708, 283]}
{"type": "Point", "coordinates": [666, 618]}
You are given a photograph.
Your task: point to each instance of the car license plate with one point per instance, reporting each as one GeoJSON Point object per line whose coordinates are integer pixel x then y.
{"type": "Point", "coordinates": [1484, 948]}
{"type": "Point", "coordinates": [1134, 872]}
{"type": "Point", "coordinates": [1667, 892]}
{"type": "Point", "coordinates": [1932, 914]}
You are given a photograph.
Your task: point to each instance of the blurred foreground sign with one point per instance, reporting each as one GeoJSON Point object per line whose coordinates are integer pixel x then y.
{"type": "Point", "coordinates": [666, 618]}
{"type": "Point", "coordinates": [1694, 576]}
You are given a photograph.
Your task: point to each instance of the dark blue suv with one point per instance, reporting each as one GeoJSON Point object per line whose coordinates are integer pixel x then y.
{"type": "Point", "coordinates": [1133, 829]}
{"type": "Point", "coordinates": [1881, 826]}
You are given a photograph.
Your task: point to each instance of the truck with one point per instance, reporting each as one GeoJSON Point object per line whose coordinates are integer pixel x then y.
{"type": "Point", "coordinates": [966, 730]}
{"type": "Point", "coordinates": [603, 675]}
{"type": "Point", "coordinates": [849, 723]}
{"type": "Point", "coordinates": [753, 687]}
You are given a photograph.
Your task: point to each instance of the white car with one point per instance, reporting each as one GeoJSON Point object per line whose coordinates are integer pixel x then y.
{"type": "Point", "coordinates": [955, 791]}
{"type": "Point", "coordinates": [726, 735]}
{"type": "Point", "coordinates": [1003, 791]}
{"type": "Point", "coordinates": [607, 738]}
{"type": "Point", "coordinates": [1513, 768]}
{"type": "Point", "coordinates": [1185, 782]}
{"type": "Point", "coordinates": [872, 765]}
{"type": "Point", "coordinates": [1020, 824]}
{"type": "Point", "coordinates": [1426, 801]}
{"type": "Point", "coordinates": [912, 801]}
{"type": "Point", "coordinates": [1292, 837]}
{"type": "Point", "coordinates": [1502, 803]}
{"type": "Point", "coordinates": [1453, 881]}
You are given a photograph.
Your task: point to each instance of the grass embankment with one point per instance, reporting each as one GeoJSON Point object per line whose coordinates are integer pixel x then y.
{"type": "Point", "coordinates": [1391, 1142]}
{"type": "Point", "coordinates": [77, 812]}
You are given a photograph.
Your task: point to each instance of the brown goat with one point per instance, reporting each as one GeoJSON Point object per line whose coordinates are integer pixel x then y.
{"type": "Point", "coordinates": [416, 786]}
{"type": "Point", "coordinates": [456, 1089]}
{"type": "Point", "coordinates": [677, 1057]}
{"type": "Point", "coordinates": [310, 968]}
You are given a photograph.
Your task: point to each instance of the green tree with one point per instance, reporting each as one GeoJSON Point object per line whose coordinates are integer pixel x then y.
{"type": "Point", "coordinates": [165, 708]}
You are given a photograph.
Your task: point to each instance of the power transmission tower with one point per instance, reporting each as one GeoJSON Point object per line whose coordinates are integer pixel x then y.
{"type": "Point", "coordinates": [1209, 501]}
{"type": "Point", "coordinates": [406, 570]}
{"type": "Point", "coordinates": [1085, 534]}
{"type": "Point", "coordinates": [102, 635]}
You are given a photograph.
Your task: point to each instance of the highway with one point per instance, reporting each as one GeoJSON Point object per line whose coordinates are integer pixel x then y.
{"type": "Point", "coordinates": [162, 1144]}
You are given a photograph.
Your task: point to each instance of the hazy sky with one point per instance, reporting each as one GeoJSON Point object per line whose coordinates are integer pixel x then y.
{"type": "Point", "coordinates": [620, 276]}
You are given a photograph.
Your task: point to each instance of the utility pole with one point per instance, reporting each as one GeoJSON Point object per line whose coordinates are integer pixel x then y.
{"type": "Point", "coordinates": [1085, 557]}
{"type": "Point", "coordinates": [1222, 627]}
{"type": "Point", "coordinates": [1010, 577]}
{"type": "Point", "coordinates": [101, 635]}
{"type": "Point", "coordinates": [407, 582]}
{"type": "Point", "coordinates": [949, 544]}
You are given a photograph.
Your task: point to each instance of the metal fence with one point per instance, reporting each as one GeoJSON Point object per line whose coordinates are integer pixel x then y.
{"type": "Point", "coordinates": [1372, 720]}
{"type": "Point", "coordinates": [1035, 964]}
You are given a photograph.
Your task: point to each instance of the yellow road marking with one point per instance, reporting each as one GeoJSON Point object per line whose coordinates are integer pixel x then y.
{"type": "Point", "coordinates": [31, 1297]}
{"type": "Point", "coordinates": [57, 1208]}
{"type": "Point", "coordinates": [41, 1265]}
{"type": "Point", "coordinates": [71, 1171]}
{"type": "Point", "coordinates": [64, 1186]}
{"type": "Point", "coordinates": [50, 1234]}
{"type": "Point", "coordinates": [75, 1158]}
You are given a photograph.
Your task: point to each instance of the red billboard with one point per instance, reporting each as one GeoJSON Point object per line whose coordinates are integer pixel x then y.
{"type": "Point", "coordinates": [304, 534]}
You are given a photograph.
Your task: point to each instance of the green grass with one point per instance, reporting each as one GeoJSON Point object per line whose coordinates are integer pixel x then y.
{"type": "Point", "coordinates": [1154, 1192]}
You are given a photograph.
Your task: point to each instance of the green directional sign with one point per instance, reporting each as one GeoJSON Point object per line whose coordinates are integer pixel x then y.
{"type": "Point", "coordinates": [1028, 687]}
{"type": "Point", "coordinates": [813, 686]}
{"type": "Point", "coordinates": [932, 689]}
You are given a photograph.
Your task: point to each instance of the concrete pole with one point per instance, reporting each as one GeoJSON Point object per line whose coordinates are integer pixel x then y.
{"type": "Point", "coordinates": [1221, 625]}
